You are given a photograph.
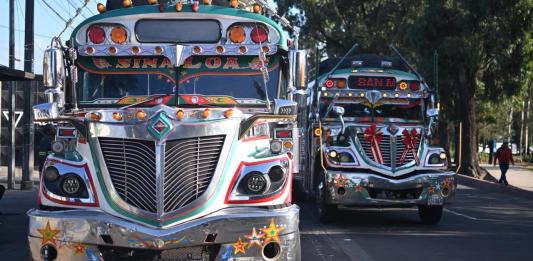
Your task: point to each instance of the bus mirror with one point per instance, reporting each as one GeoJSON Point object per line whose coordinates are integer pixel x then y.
{"type": "Point", "coordinates": [285, 107]}
{"type": "Point", "coordinates": [45, 111]}
{"type": "Point", "coordinates": [431, 113]}
{"type": "Point", "coordinates": [300, 61]}
{"type": "Point", "coordinates": [53, 68]}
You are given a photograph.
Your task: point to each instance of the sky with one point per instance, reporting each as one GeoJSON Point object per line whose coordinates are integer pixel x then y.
{"type": "Point", "coordinates": [47, 25]}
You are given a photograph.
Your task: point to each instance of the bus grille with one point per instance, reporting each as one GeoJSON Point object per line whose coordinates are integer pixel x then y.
{"type": "Point", "coordinates": [189, 166]}
{"type": "Point", "coordinates": [386, 150]}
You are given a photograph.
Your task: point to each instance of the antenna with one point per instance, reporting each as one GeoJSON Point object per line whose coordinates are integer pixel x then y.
{"type": "Point", "coordinates": [342, 60]}
{"type": "Point", "coordinates": [405, 62]}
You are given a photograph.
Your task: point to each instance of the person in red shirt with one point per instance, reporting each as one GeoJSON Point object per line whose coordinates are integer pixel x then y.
{"type": "Point", "coordinates": [504, 155]}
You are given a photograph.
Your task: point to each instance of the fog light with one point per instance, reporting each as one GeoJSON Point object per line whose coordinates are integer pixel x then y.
{"type": "Point", "coordinates": [71, 185]}
{"type": "Point", "coordinates": [58, 147]}
{"type": "Point", "coordinates": [346, 158]}
{"type": "Point", "coordinates": [51, 174]}
{"type": "Point", "coordinates": [255, 183]}
{"type": "Point", "coordinates": [48, 252]}
{"type": "Point", "coordinates": [276, 146]}
{"type": "Point", "coordinates": [332, 154]}
{"type": "Point", "coordinates": [442, 156]}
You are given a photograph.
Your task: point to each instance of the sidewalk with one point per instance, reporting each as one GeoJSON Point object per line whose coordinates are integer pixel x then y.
{"type": "Point", "coordinates": [516, 176]}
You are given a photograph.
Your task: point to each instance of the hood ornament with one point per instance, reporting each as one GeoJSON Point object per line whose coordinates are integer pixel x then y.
{"type": "Point", "coordinates": [393, 129]}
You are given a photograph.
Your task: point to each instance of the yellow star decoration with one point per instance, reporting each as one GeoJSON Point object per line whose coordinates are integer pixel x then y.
{"type": "Point", "coordinates": [48, 234]}
{"type": "Point", "coordinates": [272, 232]}
{"type": "Point", "coordinates": [239, 247]}
{"type": "Point", "coordinates": [255, 239]}
{"type": "Point", "coordinates": [79, 248]}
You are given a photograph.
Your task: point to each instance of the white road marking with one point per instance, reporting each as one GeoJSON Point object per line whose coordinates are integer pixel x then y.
{"type": "Point", "coordinates": [469, 217]}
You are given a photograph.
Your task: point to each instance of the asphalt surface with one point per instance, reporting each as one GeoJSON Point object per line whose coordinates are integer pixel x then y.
{"type": "Point", "coordinates": [481, 225]}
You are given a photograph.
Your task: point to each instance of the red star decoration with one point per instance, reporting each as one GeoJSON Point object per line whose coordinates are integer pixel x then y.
{"type": "Point", "coordinates": [79, 248]}
{"type": "Point", "coordinates": [239, 247]}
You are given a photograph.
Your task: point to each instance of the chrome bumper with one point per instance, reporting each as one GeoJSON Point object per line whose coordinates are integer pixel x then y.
{"type": "Point", "coordinates": [367, 189]}
{"type": "Point", "coordinates": [229, 233]}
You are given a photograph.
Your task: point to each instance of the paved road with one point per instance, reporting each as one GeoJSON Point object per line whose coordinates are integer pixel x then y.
{"type": "Point", "coordinates": [481, 225]}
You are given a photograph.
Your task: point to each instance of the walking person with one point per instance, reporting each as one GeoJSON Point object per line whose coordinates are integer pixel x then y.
{"type": "Point", "coordinates": [504, 156]}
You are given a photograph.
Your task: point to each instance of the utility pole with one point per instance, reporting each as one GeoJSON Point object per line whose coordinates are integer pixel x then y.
{"type": "Point", "coordinates": [28, 159]}
{"type": "Point", "coordinates": [11, 101]}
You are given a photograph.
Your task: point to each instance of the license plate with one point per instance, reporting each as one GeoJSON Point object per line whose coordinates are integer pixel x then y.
{"type": "Point", "coordinates": [435, 199]}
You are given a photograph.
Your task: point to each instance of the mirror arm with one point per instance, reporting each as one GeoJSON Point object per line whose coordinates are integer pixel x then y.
{"type": "Point", "coordinates": [341, 118]}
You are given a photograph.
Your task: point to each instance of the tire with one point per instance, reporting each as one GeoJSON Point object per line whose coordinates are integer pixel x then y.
{"type": "Point", "coordinates": [430, 215]}
{"type": "Point", "coordinates": [326, 212]}
{"type": "Point", "coordinates": [298, 196]}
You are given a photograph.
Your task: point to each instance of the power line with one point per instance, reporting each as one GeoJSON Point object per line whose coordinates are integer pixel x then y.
{"type": "Point", "coordinates": [73, 6]}
{"type": "Point", "coordinates": [55, 12]}
{"type": "Point", "coordinates": [36, 34]}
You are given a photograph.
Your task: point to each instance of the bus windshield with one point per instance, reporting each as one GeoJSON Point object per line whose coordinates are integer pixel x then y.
{"type": "Point", "coordinates": [408, 111]}
{"type": "Point", "coordinates": [123, 81]}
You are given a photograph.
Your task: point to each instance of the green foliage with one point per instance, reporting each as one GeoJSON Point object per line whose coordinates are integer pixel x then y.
{"type": "Point", "coordinates": [484, 47]}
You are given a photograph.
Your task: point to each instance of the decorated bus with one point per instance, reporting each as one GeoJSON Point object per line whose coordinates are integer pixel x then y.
{"type": "Point", "coordinates": [372, 138]}
{"type": "Point", "coordinates": [176, 135]}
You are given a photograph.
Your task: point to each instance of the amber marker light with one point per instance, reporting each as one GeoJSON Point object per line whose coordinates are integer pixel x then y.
{"type": "Point", "coordinates": [318, 132]}
{"type": "Point", "coordinates": [112, 50]}
{"type": "Point", "coordinates": [197, 50]}
{"type": "Point", "coordinates": [141, 115]}
{"type": "Point", "coordinates": [117, 116]}
{"type": "Point", "coordinates": [89, 50]}
{"type": "Point", "coordinates": [220, 49]}
{"type": "Point", "coordinates": [180, 115]}
{"type": "Point", "coordinates": [257, 8]}
{"type": "Point", "coordinates": [152, 2]}
{"type": "Point", "coordinates": [288, 145]}
{"type": "Point", "coordinates": [207, 2]}
{"type": "Point", "coordinates": [237, 34]}
{"type": "Point", "coordinates": [243, 49]}
{"type": "Point", "coordinates": [206, 113]}
{"type": "Point", "coordinates": [362, 94]}
{"type": "Point", "coordinates": [404, 86]}
{"type": "Point", "coordinates": [135, 50]}
{"type": "Point", "coordinates": [341, 84]}
{"type": "Point", "coordinates": [179, 7]}
{"type": "Point", "coordinates": [228, 113]}
{"type": "Point", "coordinates": [101, 8]}
{"type": "Point", "coordinates": [158, 50]}
{"type": "Point", "coordinates": [127, 3]}
{"type": "Point", "coordinates": [266, 49]}
{"type": "Point", "coordinates": [119, 35]}
{"type": "Point", "coordinates": [94, 116]}
{"type": "Point", "coordinates": [234, 3]}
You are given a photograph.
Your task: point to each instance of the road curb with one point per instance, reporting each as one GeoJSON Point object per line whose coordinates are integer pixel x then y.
{"type": "Point", "coordinates": [510, 190]}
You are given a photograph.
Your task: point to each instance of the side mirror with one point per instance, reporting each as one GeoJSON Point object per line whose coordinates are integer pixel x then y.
{"type": "Point", "coordinates": [45, 111]}
{"type": "Point", "coordinates": [338, 110]}
{"type": "Point", "coordinates": [53, 67]}
{"type": "Point", "coordinates": [285, 107]}
{"type": "Point", "coordinates": [432, 113]}
{"type": "Point", "coordinates": [300, 62]}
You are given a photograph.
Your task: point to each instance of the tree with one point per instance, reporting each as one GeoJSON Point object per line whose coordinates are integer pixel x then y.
{"type": "Point", "coordinates": [480, 45]}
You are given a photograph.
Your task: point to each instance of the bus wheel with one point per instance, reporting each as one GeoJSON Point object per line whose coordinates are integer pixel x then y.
{"type": "Point", "coordinates": [430, 215]}
{"type": "Point", "coordinates": [326, 212]}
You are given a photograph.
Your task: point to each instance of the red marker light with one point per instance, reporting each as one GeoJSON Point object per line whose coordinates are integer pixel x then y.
{"type": "Point", "coordinates": [329, 83]}
{"type": "Point", "coordinates": [259, 35]}
{"type": "Point", "coordinates": [96, 34]}
{"type": "Point", "coordinates": [415, 86]}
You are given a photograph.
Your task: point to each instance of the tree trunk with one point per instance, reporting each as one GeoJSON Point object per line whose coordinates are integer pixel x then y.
{"type": "Point", "coordinates": [521, 146]}
{"type": "Point", "coordinates": [526, 121]}
{"type": "Point", "coordinates": [466, 112]}
{"type": "Point", "coordinates": [510, 126]}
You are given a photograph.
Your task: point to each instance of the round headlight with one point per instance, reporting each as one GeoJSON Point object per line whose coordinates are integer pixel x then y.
{"type": "Point", "coordinates": [332, 154]}
{"type": "Point", "coordinates": [255, 183]}
{"type": "Point", "coordinates": [71, 185]}
{"type": "Point", "coordinates": [51, 174]}
{"type": "Point", "coordinates": [346, 158]}
{"type": "Point", "coordinates": [434, 159]}
{"type": "Point", "coordinates": [276, 146]}
{"type": "Point", "coordinates": [276, 173]}
{"type": "Point", "coordinates": [442, 156]}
